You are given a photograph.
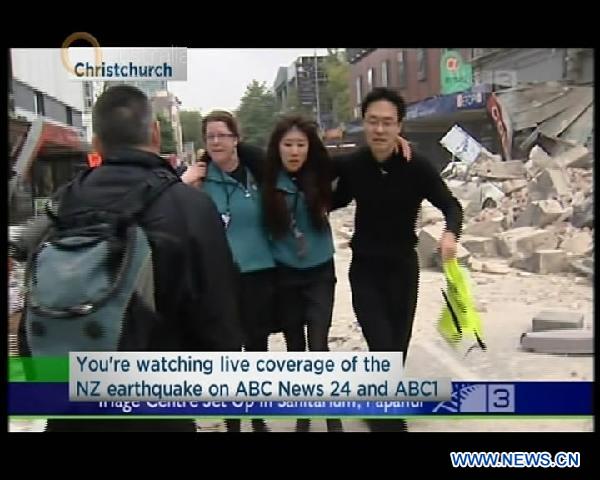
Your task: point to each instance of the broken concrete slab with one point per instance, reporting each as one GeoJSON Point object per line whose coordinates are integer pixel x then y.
{"type": "Point", "coordinates": [490, 194]}
{"type": "Point", "coordinates": [579, 342]}
{"type": "Point", "coordinates": [583, 214]}
{"type": "Point", "coordinates": [577, 157]}
{"type": "Point", "coordinates": [579, 266]}
{"type": "Point", "coordinates": [556, 320]}
{"type": "Point", "coordinates": [496, 268]}
{"type": "Point", "coordinates": [510, 186]}
{"type": "Point", "coordinates": [524, 274]}
{"type": "Point", "coordinates": [579, 244]}
{"type": "Point", "coordinates": [512, 169]}
{"type": "Point", "coordinates": [520, 262]}
{"type": "Point", "coordinates": [485, 228]}
{"type": "Point", "coordinates": [461, 189]}
{"type": "Point", "coordinates": [475, 265]}
{"type": "Point", "coordinates": [553, 181]}
{"type": "Point", "coordinates": [480, 246]}
{"type": "Point", "coordinates": [428, 242]}
{"type": "Point", "coordinates": [534, 192]}
{"type": "Point", "coordinates": [539, 214]}
{"type": "Point", "coordinates": [565, 216]}
{"type": "Point", "coordinates": [470, 208]}
{"type": "Point", "coordinates": [524, 240]}
{"type": "Point", "coordinates": [548, 261]}
{"type": "Point", "coordinates": [538, 161]}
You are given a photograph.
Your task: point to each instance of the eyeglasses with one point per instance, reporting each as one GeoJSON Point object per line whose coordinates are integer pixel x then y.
{"type": "Point", "coordinates": [219, 136]}
{"type": "Point", "coordinates": [374, 123]}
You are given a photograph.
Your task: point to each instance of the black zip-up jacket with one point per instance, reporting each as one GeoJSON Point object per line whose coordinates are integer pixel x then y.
{"type": "Point", "coordinates": [194, 279]}
{"type": "Point", "coordinates": [388, 197]}
{"type": "Point", "coordinates": [194, 275]}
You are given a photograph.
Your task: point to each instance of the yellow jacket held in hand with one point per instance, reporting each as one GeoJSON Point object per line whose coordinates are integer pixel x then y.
{"type": "Point", "coordinates": [459, 318]}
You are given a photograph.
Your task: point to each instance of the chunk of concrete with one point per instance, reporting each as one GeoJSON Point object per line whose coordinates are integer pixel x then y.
{"type": "Point", "coordinates": [548, 261]}
{"type": "Point", "coordinates": [553, 182]}
{"type": "Point", "coordinates": [496, 268]}
{"type": "Point", "coordinates": [583, 214]}
{"type": "Point", "coordinates": [475, 265]}
{"type": "Point", "coordinates": [577, 342]}
{"type": "Point", "coordinates": [470, 208]}
{"type": "Point", "coordinates": [513, 169]}
{"type": "Point", "coordinates": [462, 190]}
{"type": "Point", "coordinates": [479, 246]}
{"type": "Point", "coordinates": [579, 244]}
{"type": "Point", "coordinates": [539, 214]}
{"type": "Point", "coordinates": [580, 267]}
{"type": "Point", "coordinates": [577, 157]}
{"type": "Point", "coordinates": [485, 228]}
{"type": "Point", "coordinates": [556, 320]}
{"type": "Point", "coordinates": [525, 241]}
{"type": "Point", "coordinates": [428, 242]}
{"type": "Point", "coordinates": [510, 186]}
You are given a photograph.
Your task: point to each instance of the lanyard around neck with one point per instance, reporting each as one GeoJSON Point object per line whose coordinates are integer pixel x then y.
{"type": "Point", "coordinates": [229, 193]}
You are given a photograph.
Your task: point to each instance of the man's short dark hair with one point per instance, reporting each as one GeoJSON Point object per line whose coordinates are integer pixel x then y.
{"type": "Point", "coordinates": [382, 93]}
{"type": "Point", "coordinates": [122, 117]}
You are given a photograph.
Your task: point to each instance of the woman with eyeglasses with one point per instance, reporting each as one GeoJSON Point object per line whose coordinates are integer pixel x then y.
{"type": "Point", "coordinates": [231, 178]}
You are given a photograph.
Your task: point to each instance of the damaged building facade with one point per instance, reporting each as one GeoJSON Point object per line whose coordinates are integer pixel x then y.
{"type": "Point", "coordinates": [502, 83]}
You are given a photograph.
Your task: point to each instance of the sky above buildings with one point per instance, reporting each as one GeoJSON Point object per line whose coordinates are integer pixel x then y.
{"type": "Point", "coordinates": [217, 78]}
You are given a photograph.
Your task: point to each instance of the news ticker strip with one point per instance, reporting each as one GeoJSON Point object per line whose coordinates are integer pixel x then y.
{"type": "Point", "coordinates": [41, 386]}
{"type": "Point", "coordinates": [476, 398]}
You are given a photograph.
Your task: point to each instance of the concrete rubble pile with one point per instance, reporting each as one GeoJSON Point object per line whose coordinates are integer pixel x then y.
{"type": "Point", "coordinates": [535, 215]}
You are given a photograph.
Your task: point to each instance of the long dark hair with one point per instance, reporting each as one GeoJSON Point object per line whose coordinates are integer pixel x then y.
{"type": "Point", "coordinates": [314, 178]}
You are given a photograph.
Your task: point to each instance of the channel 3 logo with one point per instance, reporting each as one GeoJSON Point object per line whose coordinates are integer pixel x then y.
{"type": "Point", "coordinates": [480, 398]}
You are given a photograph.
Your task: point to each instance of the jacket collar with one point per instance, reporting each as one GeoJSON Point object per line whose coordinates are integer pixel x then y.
{"type": "Point", "coordinates": [285, 183]}
{"type": "Point", "coordinates": [390, 163]}
{"type": "Point", "coordinates": [134, 156]}
{"type": "Point", "coordinates": [215, 174]}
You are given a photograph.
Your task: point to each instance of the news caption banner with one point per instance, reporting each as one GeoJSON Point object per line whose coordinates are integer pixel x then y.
{"type": "Point", "coordinates": [270, 384]}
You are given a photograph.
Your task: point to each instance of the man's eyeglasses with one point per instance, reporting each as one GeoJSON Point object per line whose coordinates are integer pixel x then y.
{"type": "Point", "coordinates": [374, 123]}
{"type": "Point", "coordinates": [219, 136]}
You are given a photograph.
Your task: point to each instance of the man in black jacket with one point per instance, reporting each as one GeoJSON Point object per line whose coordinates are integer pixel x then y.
{"type": "Point", "coordinates": [193, 266]}
{"type": "Point", "coordinates": [389, 189]}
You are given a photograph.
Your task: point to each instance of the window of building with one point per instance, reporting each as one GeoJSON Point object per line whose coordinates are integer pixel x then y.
{"type": "Point", "coordinates": [370, 79]}
{"type": "Point", "coordinates": [401, 69]}
{"type": "Point", "coordinates": [422, 63]}
{"type": "Point", "coordinates": [384, 74]}
{"type": "Point", "coordinates": [359, 89]}
{"type": "Point", "coordinates": [69, 116]}
{"type": "Point", "coordinates": [39, 103]}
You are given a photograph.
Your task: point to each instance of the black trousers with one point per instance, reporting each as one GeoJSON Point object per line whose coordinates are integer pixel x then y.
{"type": "Point", "coordinates": [384, 298]}
{"type": "Point", "coordinates": [305, 298]}
{"type": "Point", "coordinates": [256, 308]}
{"type": "Point", "coordinates": [256, 297]}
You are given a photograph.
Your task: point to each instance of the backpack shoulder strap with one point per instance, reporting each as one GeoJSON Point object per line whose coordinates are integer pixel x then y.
{"type": "Point", "coordinates": [139, 199]}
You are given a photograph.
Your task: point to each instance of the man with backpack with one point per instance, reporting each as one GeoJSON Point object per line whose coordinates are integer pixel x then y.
{"type": "Point", "coordinates": [154, 270]}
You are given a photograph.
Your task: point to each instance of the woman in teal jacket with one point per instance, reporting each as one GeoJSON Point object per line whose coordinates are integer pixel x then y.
{"type": "Point", "coordinates": [232, 181]}
{"type": "Point", "coordinates": [296, 199]}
